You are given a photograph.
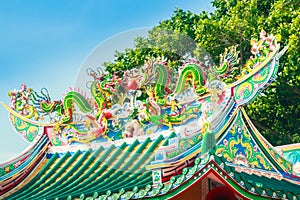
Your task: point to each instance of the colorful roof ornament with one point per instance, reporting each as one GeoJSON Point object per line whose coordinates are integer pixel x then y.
{"type": "Point", "coordinates": [140, 134]}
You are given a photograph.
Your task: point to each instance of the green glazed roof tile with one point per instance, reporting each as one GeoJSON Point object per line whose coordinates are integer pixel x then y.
{"type": "Point", "coordinates": [94, 177]}
{"type": "Point", "coordinates": [94, 162]}
{"type": "Point", "coordinates": [69, 176]}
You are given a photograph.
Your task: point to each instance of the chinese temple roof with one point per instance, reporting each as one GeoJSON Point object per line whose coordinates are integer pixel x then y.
{"type": "Point", "coordinates": [158, 148]}
{"type": "Point", "coordinates": [119, 172]}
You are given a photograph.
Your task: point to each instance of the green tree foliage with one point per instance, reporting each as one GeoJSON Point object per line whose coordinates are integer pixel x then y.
{"type": "Point", "coordinates": [276, 112]}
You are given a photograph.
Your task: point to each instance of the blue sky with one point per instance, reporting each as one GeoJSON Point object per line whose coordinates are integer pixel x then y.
{"type": "Point", "coordinates": [44, 43]}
